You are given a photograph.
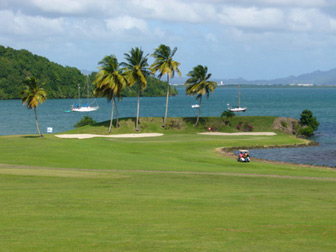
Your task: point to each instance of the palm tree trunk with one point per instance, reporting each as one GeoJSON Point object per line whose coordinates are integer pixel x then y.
{"type": "Point", "coordinates": [117, 114]}
{"type": "Point", "coordinates": [111, 121]}
{"type": "Point", "coordinates": [167, 98]}
{"type": "Point", "coordinates": [37, 125]}
{"type": "Point", "coordinates": [138, 111]}
{"type": "Point", "coordinates": [199, 112]}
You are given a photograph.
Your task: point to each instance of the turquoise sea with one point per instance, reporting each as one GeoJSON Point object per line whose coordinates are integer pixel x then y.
{"type": "Point", "coordinates": [284, 102]}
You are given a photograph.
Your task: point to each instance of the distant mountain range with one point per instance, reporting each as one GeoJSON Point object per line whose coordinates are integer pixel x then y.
{"type": "Point", "coordinates": [316, 78]}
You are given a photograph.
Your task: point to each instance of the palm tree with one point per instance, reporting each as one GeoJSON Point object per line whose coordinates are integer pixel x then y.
{"type": "Point", "coordinates": [136, 70]}
{"type": "Point", "coordinates": [33, 94]}
{"type": "Point", "coordinates": [199, 84]}
{"type": "Point", "coordinates": [164, 64]}
{"type": "Point", "coordinates": [109, 82]}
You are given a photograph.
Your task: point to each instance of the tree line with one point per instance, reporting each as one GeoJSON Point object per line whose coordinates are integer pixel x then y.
{"type": "Point", "coordinates": [60, 81]}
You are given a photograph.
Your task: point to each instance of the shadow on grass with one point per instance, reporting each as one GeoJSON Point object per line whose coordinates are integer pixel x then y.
{"type": "Point", "coordinates": [31, 137]}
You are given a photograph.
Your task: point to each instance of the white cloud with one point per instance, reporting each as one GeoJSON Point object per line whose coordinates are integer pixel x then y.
{"type": "Point", "coordinates": [20, 24]}
{"type": "Point", "coordinates": [126, 23]}
{"type": "Point", "coordinates": [251, 17]}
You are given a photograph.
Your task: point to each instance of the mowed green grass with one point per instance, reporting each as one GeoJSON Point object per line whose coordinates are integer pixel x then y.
{"type": "Point", "coordinates": [169, 193]}
{"type": "Point", "coordinates": [165, 212]}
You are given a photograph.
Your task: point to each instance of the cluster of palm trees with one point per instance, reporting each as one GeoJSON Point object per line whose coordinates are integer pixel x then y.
{"type": "Point", "coordinates": [113, 77]}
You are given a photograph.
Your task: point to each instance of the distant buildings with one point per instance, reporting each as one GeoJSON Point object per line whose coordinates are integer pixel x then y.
{"type": "Point", "coordinates": [302, 84]}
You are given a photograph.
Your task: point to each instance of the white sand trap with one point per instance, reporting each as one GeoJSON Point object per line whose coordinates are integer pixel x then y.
{"type": "Point", "coordinates": [86, 136]}
{"type": "Point", "coordinates": [239, 134]}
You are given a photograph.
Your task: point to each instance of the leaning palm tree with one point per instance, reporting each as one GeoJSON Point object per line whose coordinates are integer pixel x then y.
{"type": "Point", "coordinates": [136, 71]}
{"type": "Point", "coordinates": [109, 82]}
{"type": "Point", "coordinates": [199, 84]}
{"type": "Point", "coordinates": [33, 94]}
{"type": "Point", "coordinates": [164, 64]}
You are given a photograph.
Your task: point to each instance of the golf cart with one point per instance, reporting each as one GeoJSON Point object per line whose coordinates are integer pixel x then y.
{"type": "Point", "coordinates": [243, 156]}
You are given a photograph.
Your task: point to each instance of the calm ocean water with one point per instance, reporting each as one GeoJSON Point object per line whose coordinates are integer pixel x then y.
{"type": "Point", "coordinates": [284, 102]}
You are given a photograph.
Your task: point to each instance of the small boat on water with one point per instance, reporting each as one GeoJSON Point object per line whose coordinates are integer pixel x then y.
{"type": "Point", "coordinates": [238, 108]}
{"type": "Point", "coordinates": [84, 108]}
{"type": "Point", "coordinates": [88, 106]}
{"type": "Point", "coordinates": [195, 106]}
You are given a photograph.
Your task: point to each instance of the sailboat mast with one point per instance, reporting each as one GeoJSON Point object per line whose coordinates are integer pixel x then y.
{"type": "Point", "coordinates": [239, 95]}
{"type": "Point", "coordinates": [87, 88]}
{"type": "Point", "coordinates": [78, 94]}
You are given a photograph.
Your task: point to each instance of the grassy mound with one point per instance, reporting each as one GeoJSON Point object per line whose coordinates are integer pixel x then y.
{"type": "Point", "coordinates": [182, 125]}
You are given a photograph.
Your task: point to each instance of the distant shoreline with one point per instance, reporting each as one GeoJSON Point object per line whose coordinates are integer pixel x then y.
{"type": "Point", "coordinates": [231, 85]}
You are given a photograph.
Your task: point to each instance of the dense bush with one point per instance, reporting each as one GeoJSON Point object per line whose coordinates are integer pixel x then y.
{"type": "Point", "coordinates": [86, 120]}
{"type": "Point", "coordinates": [244, 127]}
{"type": "Point", "coordinates": [227, 115]}
{"type": "Point", "coordinates": [306, 131]}
{"type": "Point", "coordinates": [307, 119]}
{"type": "Point", "coordinates": [239, 125]}
{"type": "Point", "coordinates": [309, 123]}
{"type": "Point", "coordinates": [175, 123]}
{"type": "Point", "coordinates": [214, 124]}
{"type": "Point", "coordinates": [247, 127]}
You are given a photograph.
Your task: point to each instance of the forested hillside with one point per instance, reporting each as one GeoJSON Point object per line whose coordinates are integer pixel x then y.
{"type": "Point", "coordinates": [60, 81]}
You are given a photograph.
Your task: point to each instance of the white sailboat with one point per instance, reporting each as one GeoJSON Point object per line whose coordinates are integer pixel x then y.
{"type": "Point", "coordinates": [238, 108]}
{"type": "Point", "coordinates": [85, 107]}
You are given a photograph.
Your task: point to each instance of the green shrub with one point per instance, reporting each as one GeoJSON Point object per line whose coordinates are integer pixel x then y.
{"type": "Point", "coordinates": [284, 124]}
{"type": "Point", "coordinates": [247, 127]}
{"type": "Point", "coordinates": [228, 114]}
{"type": "Point", "coordinates": [307, 119]}
{"type": "Point", "coordinates": [176, 123]}
{"type": "Point", "coordinates": [306, 131]}
{"type": "Point", "coordinates": [239, 125]}
{"type": "Point", "coordinates": [86, 120]}
{"type": "Point", "coordinates": [214, 124]}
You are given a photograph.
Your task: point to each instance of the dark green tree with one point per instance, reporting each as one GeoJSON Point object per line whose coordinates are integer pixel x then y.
{"type": "Point", "coordinates": [307, 119]}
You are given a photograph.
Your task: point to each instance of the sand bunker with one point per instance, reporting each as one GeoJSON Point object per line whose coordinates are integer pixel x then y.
{"type": "Point", "coordinates": [86, 136]}
{"type": "Point", "coordinates": [239, 134]}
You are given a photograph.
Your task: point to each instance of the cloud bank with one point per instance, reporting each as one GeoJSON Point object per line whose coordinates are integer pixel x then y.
{"type": "Point", "coordinates": [242, 26]}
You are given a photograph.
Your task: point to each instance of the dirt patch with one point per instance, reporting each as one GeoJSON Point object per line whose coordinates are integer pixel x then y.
{"type": "Point", "coordinates": [287, 125]}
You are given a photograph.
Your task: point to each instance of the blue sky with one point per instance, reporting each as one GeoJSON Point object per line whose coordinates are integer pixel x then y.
{"type": "Point", "coordinates": [252, 39]}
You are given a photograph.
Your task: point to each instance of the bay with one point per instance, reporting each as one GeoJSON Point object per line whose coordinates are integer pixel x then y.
{"type": "Point", "coordinates": [263, 101]}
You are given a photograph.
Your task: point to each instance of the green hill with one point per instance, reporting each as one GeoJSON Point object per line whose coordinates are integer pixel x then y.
{"type": "Point", "coordinates": [61, 82]}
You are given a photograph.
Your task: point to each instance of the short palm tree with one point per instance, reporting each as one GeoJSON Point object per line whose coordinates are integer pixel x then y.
{"type": "Point", "coordinates": [199, 84]}
{"type": "Point", "coordinates": [110, 82]}
{"type": "Point", "coordinates": [33, 94]}
{"type": "Point", "coordinates": [164, 64]}
{"type": "Point", "coordinates": [136, 71]}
